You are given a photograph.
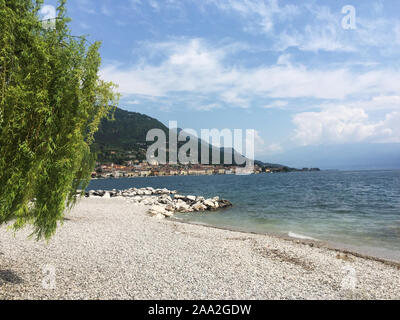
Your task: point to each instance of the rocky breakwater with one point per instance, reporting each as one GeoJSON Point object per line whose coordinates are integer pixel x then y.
{"type": "Point", "coordinates": [163, 202]}
{"type": "Point", "coordinates": [129, 193]}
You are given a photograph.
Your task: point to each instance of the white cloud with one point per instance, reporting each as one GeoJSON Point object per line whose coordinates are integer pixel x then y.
{"type": "Point", "coordinates": [397, 32]}
{"type": "Point", "coordinates": [274, 148]}
{"type": "Point", "coordinates": [377, 103]}
{"type": "Point", "coordinates": [285, 60]}
{"type": "Point", "coordinates": [378, 6]}
{"type": "Point", "coordinates": [84, 25]}
{"type": "Point", "coordinates": [195, 68]}
{"type": "Point", "coordinates": [105, 10]}
{"type": "Point", "coordinates": [133, 102]}
{"type": "Point", "coordinates": [155, 5]}
{"type": "Point", "coordinates": [344, 125]}
{"type": "Point", "coordinates": [277, 104]}
{"type": "Point", "coordinates": [208, 107]}
{"type": "Point", "coordinates": [86, 6]}
{"type": "Point", "coordinates": [232, 98]}
{"type": "Point", "coordinates": [323, 30]}
{"type": "Point", "coordinates": [259, 15]}
{"type": "Point", "coordinates": [261, 148]}
{"type": "Point", "coordinates": [257, 138]}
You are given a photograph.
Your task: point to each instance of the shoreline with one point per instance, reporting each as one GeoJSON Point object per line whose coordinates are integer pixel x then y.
{"type": "Point", "coordinates": [373, 234]}
{"type": "Point", "coordinates": [310, 242]}
{"type": "Point", "coordinates": [111, 249]}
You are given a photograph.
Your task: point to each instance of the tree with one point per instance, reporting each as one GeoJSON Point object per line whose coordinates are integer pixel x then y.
{"type": "Point", "coordinates": [51, 103]}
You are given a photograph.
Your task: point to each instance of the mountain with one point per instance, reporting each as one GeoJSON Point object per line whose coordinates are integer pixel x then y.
{"type": "Point", "coordinates": [124, 138]}
{"type": "Point", "coordinates": [354, 156]}
{"type": "Point", "coordinates": [268, 165]}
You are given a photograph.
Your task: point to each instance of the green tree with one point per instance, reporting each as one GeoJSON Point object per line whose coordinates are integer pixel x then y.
{"type": "Point", "coordinates": [51, 103]}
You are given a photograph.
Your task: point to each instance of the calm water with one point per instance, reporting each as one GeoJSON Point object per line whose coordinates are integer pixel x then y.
{"type": "Point", "coordinates": [355, 210]}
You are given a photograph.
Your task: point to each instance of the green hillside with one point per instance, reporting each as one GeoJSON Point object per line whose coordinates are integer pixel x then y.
{"type": "Point", "coordinates": [124, 138]}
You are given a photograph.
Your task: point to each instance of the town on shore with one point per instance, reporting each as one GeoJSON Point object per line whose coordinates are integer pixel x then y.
{"type": "Point", "coordinates": [132, 169]}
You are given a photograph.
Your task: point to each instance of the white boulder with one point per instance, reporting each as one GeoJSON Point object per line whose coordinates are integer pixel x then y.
{"type": "Point", "coordinates": [107, 195]}
{"type": "Point", "coordinates": [198, 206]}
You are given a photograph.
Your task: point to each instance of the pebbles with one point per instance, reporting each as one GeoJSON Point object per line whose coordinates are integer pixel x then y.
{"type": "Point", "coordinates": [111, 249]}
{"type": "Point", "coordinates": [161, 203]}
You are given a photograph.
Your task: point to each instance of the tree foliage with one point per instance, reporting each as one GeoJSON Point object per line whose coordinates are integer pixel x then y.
{"type": "Point", "coordinates": [51, 103]}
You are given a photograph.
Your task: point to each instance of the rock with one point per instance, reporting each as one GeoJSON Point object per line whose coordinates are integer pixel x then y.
{"type": "Point", "coordinates": [107, 195]}
{"type": "Point", "coordinates": [165, 199]}
{"type": "Point", "coordinates": [161, 202]}
{"type": "Point", "coordinates": [224, 204]}
{"type": "Point", "coordinates": [168, 214]}
{"type": "Point", "coordinates": [99, 193]}
{"type": "Point", "coordinates": [198, 206]}
{"type": "Point", "coordinates": [209, 203]}
{"type": "Point", "coordinates": [182, 206]}
{"type": "Point", "coordinates": [162, 191]}
{"type": "Point", "coordinates": [156, 209]}
{"type": "Point", "coordinates": [153, 201]}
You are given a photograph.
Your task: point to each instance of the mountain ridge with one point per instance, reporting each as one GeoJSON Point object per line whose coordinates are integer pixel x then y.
{"type": "Point", "coordinates": [124, 138]}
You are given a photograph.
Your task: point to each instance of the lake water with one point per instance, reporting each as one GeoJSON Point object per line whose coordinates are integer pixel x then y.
{"type": "Point", "coordinates": [358, 210]}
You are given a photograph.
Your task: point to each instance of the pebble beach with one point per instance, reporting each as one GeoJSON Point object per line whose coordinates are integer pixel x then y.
{"type": "Point", "coordinates": [113, 249]}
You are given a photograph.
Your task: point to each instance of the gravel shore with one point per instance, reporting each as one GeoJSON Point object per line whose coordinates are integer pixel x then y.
{"type": "Point", "coordinates": [111, 249]}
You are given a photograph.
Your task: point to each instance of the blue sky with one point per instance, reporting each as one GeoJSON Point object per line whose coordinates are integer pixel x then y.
{"type": "Point", "coordinates": [288, 69]}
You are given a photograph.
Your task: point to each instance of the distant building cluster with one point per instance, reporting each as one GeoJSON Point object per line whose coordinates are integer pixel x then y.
{"type": "Point", "coordinates": [136, 168]}
{"type": "Point", "coordinates": [144, 169]}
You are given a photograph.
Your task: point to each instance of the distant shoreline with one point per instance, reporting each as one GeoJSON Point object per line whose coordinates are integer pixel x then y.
{"type": "Point", "coordinates": [253, 174]}
{"type": "Point", "coordinates": [207, 175]}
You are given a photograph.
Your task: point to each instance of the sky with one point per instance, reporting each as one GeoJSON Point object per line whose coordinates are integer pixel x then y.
{"type": "Point", "coordinates": [318, 75]}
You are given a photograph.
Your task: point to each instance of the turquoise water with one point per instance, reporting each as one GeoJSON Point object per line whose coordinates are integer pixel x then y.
{"type": "Point", "coordinates": [358, 210]}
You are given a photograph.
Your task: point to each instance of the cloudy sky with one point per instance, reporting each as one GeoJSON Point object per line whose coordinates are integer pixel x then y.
{"type": "Point", "coordinates": [306, 75]}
